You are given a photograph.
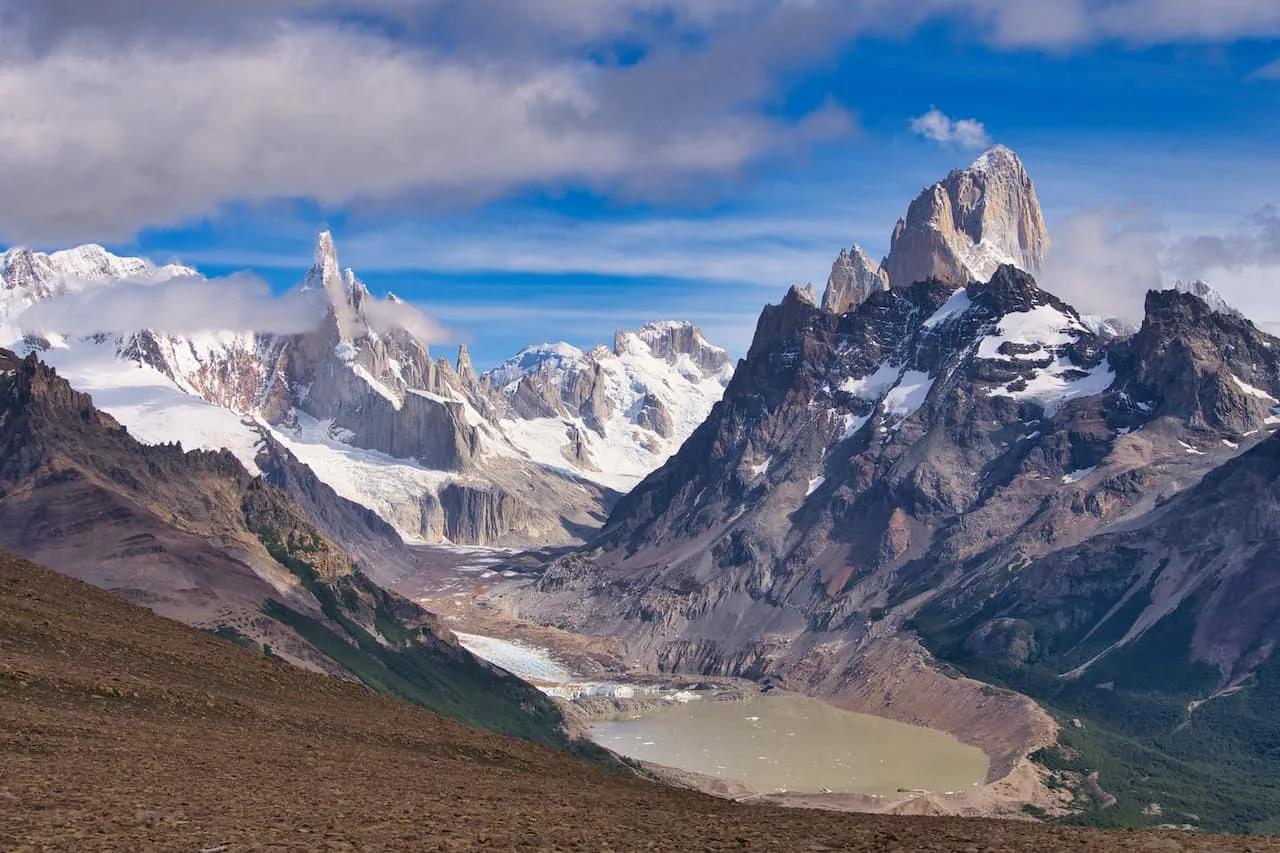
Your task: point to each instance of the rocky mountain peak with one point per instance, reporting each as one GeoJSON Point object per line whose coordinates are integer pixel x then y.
{"type": "Point", "coordinates": [778, 322]}
{"type": "Point", "coordinates": [1206, 368]}
{"type": "Point", "coordinates": [325, 275]}
{"type": "Point", "coordinates": [998, 158]}
{"type": "Point", "coordinates": [805, 294]}
{"type": "Point", "coordinates": [464, 367]}
{"type": "Point", "coordinates": [854, 277]}
{"type": "Point", "coordinates": [326, 254]}
{"type": "Point", "coordinates": [19, 266]}
{"type": "Point", "coordinates": [673, 341]}
{"type": "Point", "coordinates": [1012, 291]}
{"type": "Point", "coordinates": [968, 224]}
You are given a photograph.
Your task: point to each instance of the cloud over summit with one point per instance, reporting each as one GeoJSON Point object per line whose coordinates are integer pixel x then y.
{"type": "Point", "coordinates": [965, 132]}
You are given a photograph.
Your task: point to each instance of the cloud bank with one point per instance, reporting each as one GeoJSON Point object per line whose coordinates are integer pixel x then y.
{"type": "Point", "coordinates": [192, 305]}
{"type": "Point", "coordinates": [179, 306]}
{"type": "Point", "coordinates": [124, 114]}
{"type": "Point", "coordinates": [1105, 259]}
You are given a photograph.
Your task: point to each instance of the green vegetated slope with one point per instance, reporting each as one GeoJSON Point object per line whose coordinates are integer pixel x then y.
{"type": "Point", "coordinates": [1216, 769]}
{"type": "Point", "coordinates": [395, 648]}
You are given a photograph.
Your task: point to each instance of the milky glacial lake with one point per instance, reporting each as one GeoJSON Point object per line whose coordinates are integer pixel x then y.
{"type": "Point", "coordinates": [795, 743]}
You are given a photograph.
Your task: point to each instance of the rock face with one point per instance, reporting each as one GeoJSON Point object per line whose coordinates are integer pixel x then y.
{"type": "Point", "coordinates": [966, 225]}
{"type": "Point", "coordinates": [1198, 571]}
{"type": "Point", "coordinates": [854, 277]}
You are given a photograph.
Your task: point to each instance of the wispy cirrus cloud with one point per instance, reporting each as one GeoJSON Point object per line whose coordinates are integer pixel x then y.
{"type": "Point", "coordinates": [1270, 71]}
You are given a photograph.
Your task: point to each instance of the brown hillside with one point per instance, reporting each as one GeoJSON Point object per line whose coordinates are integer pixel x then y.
{"type": "Point", "coordinates": [121, 730]}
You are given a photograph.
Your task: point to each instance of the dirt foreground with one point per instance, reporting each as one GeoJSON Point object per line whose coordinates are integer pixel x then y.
{"type": "Point", "coordinates": [120, 730]}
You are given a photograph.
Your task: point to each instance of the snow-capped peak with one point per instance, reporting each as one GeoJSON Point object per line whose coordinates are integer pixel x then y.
{"type": "Point", "coordinates": [996, 157]}
{"type": "Point", "coordinates": [325, 274]}
{"type": "Point", "coordinates": [612, 414]}
{"type": "Point", "coordinates": [1208, 295]}
{"type": "Point", "coordinates": [28, 277]}
{"type": "Point", "coordinates": [21, 267]}
{"type": "Point", "coordinates": [542, 358]}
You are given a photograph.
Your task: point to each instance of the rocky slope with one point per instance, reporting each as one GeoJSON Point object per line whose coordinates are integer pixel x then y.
{"type": "Point", "coordinates": [195, 537]}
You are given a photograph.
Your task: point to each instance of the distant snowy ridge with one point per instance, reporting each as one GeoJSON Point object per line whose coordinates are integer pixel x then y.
{"type": "Point", "coordinates": [432, 448]}
{"type": "Point", "coordinates": [28, 277]}
{"type": "Point", "coordinates": [1208, 295]}
{"type": "Point", "coordinates": [612, 415]}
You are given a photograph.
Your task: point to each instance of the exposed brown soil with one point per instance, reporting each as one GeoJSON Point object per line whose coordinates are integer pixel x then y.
{"type": "Point", "coordinates": [120, 730]}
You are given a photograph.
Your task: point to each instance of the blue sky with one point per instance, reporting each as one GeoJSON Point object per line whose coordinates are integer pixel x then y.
{"type": "Point", "coordinates": [572, 167]}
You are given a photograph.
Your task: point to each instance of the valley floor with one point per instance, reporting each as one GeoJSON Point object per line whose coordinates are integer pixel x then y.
{"type": "Point", "coordinates": [120, 730]}
{"type": "Point", "coordinates": [468, 587]}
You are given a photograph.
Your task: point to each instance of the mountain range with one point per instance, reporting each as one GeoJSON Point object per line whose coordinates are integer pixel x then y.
{"type": "Point", "coordinates": [939, 493]}
{"type": "Point", "coordinates": [533, 453]}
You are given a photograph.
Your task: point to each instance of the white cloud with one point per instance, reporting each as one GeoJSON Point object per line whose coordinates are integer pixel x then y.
{"type": "Point", "coordinates": [180, 306]}
{"type": "Point", "coordinates": [522, 27]}
{"type": "Point", "coordinates": [100, 140]}
{"type": "Point", "coordinates": [761, 250]}
{"type": "Point", "coordinates": [1255, 243]}
{"type": "Point", "coordinates": [1106, 258]}
{"type": "Point", "coordinates": [189, 305]}
{"type": "Point", "coordinates": [1058, 24]}
{"type": "Point", "coordinates": [382, 316]}
{"type": "Point", "coordinates": [122, 114]}
{"type": "Point", "coordinates": [936, 125]}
